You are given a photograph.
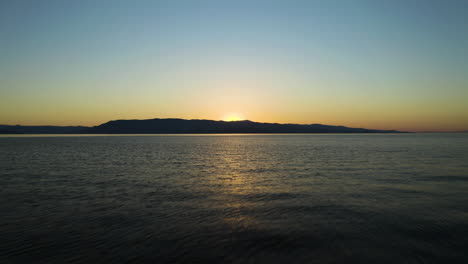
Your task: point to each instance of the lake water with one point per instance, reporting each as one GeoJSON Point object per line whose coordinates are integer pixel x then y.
{"type": "Point", "coordinates": [380, 198]}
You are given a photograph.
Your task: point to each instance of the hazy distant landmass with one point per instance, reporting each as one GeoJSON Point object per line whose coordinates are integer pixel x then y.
{"type": "Point", "coordinates": [184, 126]}
{"type": "Point", "coordinates": [7, 129]}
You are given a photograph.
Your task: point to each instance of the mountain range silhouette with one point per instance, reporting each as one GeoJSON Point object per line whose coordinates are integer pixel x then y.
{"type": "Point", "coordinates": [185, 126]}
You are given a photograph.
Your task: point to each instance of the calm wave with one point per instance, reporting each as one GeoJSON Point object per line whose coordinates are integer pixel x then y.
{"type": "Point", "coordinates": [399, 198]}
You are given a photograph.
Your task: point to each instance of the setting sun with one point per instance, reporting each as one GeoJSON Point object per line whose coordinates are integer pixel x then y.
{"type": "Point", "coordinates": [233, 117]}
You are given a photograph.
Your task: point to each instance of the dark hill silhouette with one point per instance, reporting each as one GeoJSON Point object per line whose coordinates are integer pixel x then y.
{"type": "Point", "coordinates": [184, 126]}
{"type": "Point", "coordinates": [196, 126]}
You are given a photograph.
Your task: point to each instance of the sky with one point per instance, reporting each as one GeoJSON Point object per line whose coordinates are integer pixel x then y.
{"type": "Point", "coordinates": [375, 64]}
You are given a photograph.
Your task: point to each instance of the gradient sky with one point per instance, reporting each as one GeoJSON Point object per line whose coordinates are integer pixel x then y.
{"type": "Point", "coordinates": [375, 64]}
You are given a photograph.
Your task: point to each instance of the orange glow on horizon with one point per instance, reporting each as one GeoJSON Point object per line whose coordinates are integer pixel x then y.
{"type": "Point", "coordinates": [233, 117]}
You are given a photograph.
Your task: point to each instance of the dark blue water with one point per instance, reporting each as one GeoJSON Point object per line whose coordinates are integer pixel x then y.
{"type": "Point", "coordinates": [399, 198]}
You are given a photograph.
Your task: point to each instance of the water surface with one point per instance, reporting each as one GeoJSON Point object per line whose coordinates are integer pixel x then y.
{"type": "Point", "coordinates": [380, 198]}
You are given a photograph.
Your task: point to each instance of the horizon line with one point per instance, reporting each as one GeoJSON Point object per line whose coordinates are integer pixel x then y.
{"type": "Point", "coordinates": [232, 121]}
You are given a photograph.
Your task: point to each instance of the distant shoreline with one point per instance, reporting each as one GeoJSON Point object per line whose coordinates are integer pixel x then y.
{"type": "Point", "coordinates": [186, 126]}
